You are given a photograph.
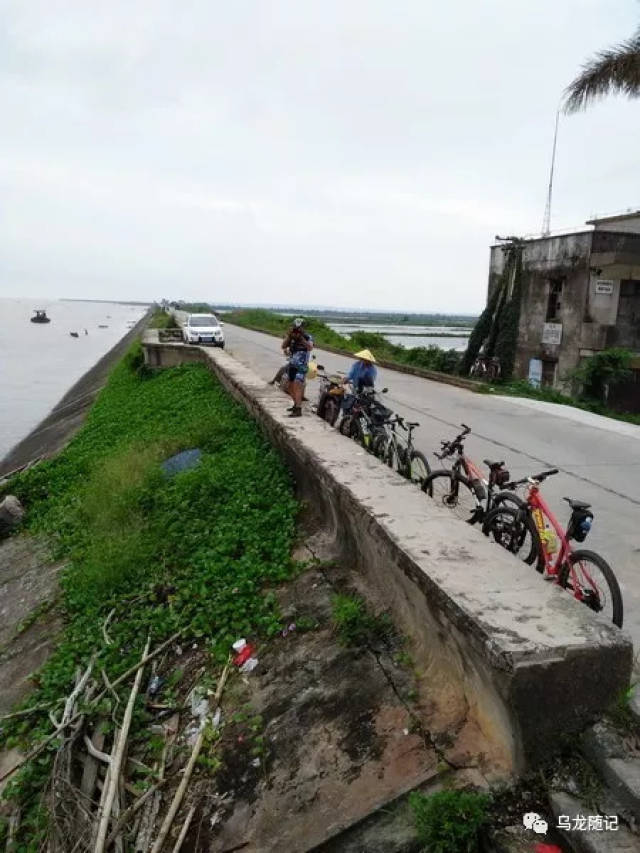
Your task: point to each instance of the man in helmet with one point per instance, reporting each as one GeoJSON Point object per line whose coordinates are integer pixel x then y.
{"type": "Point", "coordinates": [298, 343]}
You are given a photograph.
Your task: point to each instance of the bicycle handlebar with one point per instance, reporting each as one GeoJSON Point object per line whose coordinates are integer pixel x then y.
{"type": "Point", "coordinates": [532, 478]}
{"type": "Point", "coordinates": [450, 447]}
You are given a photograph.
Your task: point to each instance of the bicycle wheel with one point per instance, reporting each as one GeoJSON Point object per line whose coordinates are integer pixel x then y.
{"type": "Point", "coordinates": [453, 491]}
{"type": "Point", "coordinates": [419, 467]}
{"type": "Point", "coordinates": [515, 530]}
{"type": "Point", "coordinates": [330, 411]}
{"type": "Point", "coordinates": [346, 425]}
{"type": "Point", "coordinates": [379, 448]}
{"type": "Point", "coordinates": [591, 580]}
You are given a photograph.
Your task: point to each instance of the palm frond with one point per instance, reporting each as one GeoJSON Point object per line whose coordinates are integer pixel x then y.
{"type": "Point", "coordinates": [612, 71]}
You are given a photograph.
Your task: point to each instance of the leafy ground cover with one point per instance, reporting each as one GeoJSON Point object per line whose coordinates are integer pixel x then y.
{"type": "Point", "coordinates": [194, 553]}
{"type": "Point", "coordinates": [430, 358]}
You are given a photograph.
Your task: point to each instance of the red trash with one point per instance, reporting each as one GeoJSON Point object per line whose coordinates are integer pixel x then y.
{"type": "Point", "coordinates": [244, 655]}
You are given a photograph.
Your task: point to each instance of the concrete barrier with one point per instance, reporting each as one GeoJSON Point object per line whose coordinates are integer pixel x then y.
{"type": "Point", "coordinates": [517, 656]}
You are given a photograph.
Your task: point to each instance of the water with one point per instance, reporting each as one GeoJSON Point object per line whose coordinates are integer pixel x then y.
{"type": "Point", "coordinates": [39, 363]}
{"type": "Point", "coordinates": [446, 337]}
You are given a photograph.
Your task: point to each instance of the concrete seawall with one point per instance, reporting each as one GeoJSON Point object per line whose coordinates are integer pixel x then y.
{"type": "Point", "coordinates": [516, 656]}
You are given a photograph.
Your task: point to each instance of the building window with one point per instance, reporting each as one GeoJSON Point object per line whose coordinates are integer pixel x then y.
{"type": "Point", "coordinates": [554, 300]}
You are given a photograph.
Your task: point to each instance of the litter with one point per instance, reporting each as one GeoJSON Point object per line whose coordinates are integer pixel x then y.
{"type": "Point", "coordinates": [255, 762]}
{"type": "Point", "coordinates": [239, 645]}
{"type": "Point", "coordinates": [199, 703]}
{"type": "Point", "coordinates": [249, 665]}
{"type": "Point", "coordinates": [405, 732]}
{"type": "Point", "coordinates": [244, 654]}
{"type": "Point", "coordinates": [289, 629]}
{"type": "Point", "coordinates": [154, 685]}
{"type": "Point", "coordinates": [181, 462]}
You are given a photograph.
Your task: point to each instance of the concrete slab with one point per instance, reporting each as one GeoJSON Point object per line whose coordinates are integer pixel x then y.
{"type": "Point", "coordinates": [517, 656]}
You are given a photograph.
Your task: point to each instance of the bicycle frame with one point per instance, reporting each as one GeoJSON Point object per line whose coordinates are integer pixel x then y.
{"type": "Point", "coordinates": [540, 510]}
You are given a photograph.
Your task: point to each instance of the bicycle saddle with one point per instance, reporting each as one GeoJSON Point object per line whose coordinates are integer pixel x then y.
{"type": "Point", "coordinates": [493, 465]}
{"type": "Point", "coordinates": [412, 423]}
{"type": "Point", "coordinates": [574, 504]}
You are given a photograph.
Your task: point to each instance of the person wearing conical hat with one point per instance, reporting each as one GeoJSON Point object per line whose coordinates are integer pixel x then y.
{"type": "Point", "coordinates": [363, 372]}
{"type": "Point", "coordinates": [362, 375]}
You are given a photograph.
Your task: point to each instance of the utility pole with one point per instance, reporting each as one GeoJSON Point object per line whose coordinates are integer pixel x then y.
{"type": "Point", "coordinates": [546, 224]}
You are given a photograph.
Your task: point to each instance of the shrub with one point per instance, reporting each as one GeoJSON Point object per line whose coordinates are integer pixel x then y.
{"type": "Point", "coordinates": [602, 370]}
{"type": "Point", "coordinates": [449, 821]}
{"type": "Point", "coordinates": [355, 625]}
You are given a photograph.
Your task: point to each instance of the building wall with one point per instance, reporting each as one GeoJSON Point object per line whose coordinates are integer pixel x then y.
{"type": "Point", "coordinates": [628, 225]}
{"type": "Point", "coordinates": [566, 258]}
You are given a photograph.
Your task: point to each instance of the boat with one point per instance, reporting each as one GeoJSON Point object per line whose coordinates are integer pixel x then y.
{"type": "Point", "coordinates": [73, 334]}
{"type": "Point", "coordinates": [41, 316]}
{"type": "Point", "coordinates": [103, 327]}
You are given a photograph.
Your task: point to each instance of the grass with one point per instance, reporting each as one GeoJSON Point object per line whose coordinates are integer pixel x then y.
{"type": "Point", "coordinates": [195, 552]}
{"type": "Point", "coordinates": [429, 358]}
{"type": "Point", "coordinates": [450, 821]}
{"type": "Point", "coordinates": [522, 388]}
{"type": "Point", "coordinates": [355, 625]}
{"type": "Point", "coordinates": [161, 320]}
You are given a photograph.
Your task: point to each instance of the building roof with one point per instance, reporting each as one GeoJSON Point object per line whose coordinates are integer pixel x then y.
{"type": "Point", "coordinates": [631, 214]}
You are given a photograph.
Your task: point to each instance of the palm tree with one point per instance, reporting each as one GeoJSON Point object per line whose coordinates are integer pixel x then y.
{"type": "Point", "coordinates": [612, 71]}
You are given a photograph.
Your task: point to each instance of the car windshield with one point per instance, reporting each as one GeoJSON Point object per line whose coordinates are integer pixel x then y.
{"type": "Point", "coordinates": [204, 320]}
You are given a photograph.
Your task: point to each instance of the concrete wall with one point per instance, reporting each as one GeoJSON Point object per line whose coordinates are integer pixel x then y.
{"type": "Point", "coordinates": [564, 257]}
{"type": "Point", "coordinates": [502, 649]}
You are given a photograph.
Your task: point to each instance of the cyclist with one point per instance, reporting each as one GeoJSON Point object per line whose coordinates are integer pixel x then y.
{"type": "Point", "coordinates": [362, 375]}
{"type": "Point", "coordinates": [299, 345]}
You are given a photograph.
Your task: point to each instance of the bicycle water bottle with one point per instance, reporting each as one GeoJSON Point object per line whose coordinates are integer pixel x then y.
{"type": "Point", "coordinates": [549, 540]}
{"type": "Point", "coordinates": [585, 525]}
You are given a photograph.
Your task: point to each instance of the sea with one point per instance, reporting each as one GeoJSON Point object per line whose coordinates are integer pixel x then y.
{"type": "Point", "coordinates": [39, 363]}
{"type": "Point", "coordinates": [445, 337]}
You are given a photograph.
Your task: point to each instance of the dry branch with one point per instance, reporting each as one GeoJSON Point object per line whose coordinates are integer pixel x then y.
{"type": "Point", "coordinates": [184, 830]}
{"type": "Point", "coordinates": [44, 743]}
{"type": "Point", "coordinates": [113, 773]}
{"type": "Point", "coordinates": [182, 787]}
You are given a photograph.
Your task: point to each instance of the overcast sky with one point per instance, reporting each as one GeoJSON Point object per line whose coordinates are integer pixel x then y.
{"type": "Point", "coordinates": [337, 152]}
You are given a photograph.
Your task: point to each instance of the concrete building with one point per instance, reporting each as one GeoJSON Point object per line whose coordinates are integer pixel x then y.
{"type": "Point", "coordinates": [580, 293]}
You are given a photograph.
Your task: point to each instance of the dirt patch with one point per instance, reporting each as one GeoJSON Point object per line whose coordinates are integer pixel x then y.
{"type": "Point", "coordinates": [320, 736]}
{"type": "Point", "coordinates": [29, 623]}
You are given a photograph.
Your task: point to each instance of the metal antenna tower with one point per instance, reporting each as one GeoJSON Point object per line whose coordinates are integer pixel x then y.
{"type": "Point", "coordinates": [546, 223]}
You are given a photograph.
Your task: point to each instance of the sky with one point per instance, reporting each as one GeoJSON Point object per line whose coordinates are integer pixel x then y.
{"type": "Point", "coordinates": [352, 153]}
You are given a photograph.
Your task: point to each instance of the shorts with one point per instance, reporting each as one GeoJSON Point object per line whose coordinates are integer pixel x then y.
{"type": "Point", "coordinates": [297, 372]}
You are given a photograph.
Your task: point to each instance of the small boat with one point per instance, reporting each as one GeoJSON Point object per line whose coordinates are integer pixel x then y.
{"type": "Point", "coordinates": [41, 317]}
{"type": "Point", "coordinates": [73, 334]}
{"type": "Point", "coordinates": [103, 327]}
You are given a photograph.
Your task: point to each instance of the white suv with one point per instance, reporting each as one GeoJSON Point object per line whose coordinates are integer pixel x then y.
{"type": "Point", "coordinates": [203, 329]}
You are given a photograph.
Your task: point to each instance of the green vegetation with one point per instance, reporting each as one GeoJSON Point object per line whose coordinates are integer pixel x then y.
{"type": "Point", "coordinates": [522, 388]}
{"type": "Point", "coordinates": [355, 625]}
{"type": "Point", "coordinates": [602, 371]}
{"type": "Point", "coordinates": [193, 552]}
{"type": "Point", "coordinates": [429, 358]}
{"type": "Point", "coordinates": [450, 821]}
{"type": "Point", "coordinates": [161, 320]}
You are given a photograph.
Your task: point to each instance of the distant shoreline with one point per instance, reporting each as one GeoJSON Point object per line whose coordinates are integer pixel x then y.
{"type": "Point", "coordinates": [104, 301]}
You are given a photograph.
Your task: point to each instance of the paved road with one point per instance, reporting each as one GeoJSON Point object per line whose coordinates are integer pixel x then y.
{"type": "Point", "coordinates": [599, 459]}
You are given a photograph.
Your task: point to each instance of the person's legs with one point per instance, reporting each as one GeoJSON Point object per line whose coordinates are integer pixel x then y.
{"type": "Point", "coordinates": [297, 388]}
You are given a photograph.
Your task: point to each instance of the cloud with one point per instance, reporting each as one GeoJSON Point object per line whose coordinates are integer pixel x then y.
{"type": "Point", "coordinates": [272, 150]}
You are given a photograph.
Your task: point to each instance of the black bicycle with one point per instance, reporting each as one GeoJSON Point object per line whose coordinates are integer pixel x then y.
{"type": "Point", "coordinates": [464, 489]}
{"type": "Point", "coordinates": [399, 453]}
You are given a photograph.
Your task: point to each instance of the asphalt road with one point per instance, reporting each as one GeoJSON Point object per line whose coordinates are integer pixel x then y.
{"type": "Point", "coordinates": [598, 458]}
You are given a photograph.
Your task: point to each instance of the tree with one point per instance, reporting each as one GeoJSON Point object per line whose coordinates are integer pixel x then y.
{"type": "Point", "coordinates": [609, 72]}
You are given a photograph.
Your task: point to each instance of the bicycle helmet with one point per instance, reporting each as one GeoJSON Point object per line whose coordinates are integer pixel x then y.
{"type": "Point", "coordinates": [298, 323]}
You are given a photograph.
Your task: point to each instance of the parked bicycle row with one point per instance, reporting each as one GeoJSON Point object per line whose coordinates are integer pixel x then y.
{"type": "Point", "coordinates": [512, 513]}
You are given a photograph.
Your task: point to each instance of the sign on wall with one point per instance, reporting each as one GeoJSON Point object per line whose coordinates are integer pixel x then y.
{"type": "Point", "coordinates": [535, 372]}
{"type": "Point", "coordinates": [604, 286]}
{"type": "Point", "coordinates": [552, 333]}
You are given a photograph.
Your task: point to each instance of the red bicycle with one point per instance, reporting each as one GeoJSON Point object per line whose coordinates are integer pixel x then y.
{"type": "Point", "coordinates": [584, 573]}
